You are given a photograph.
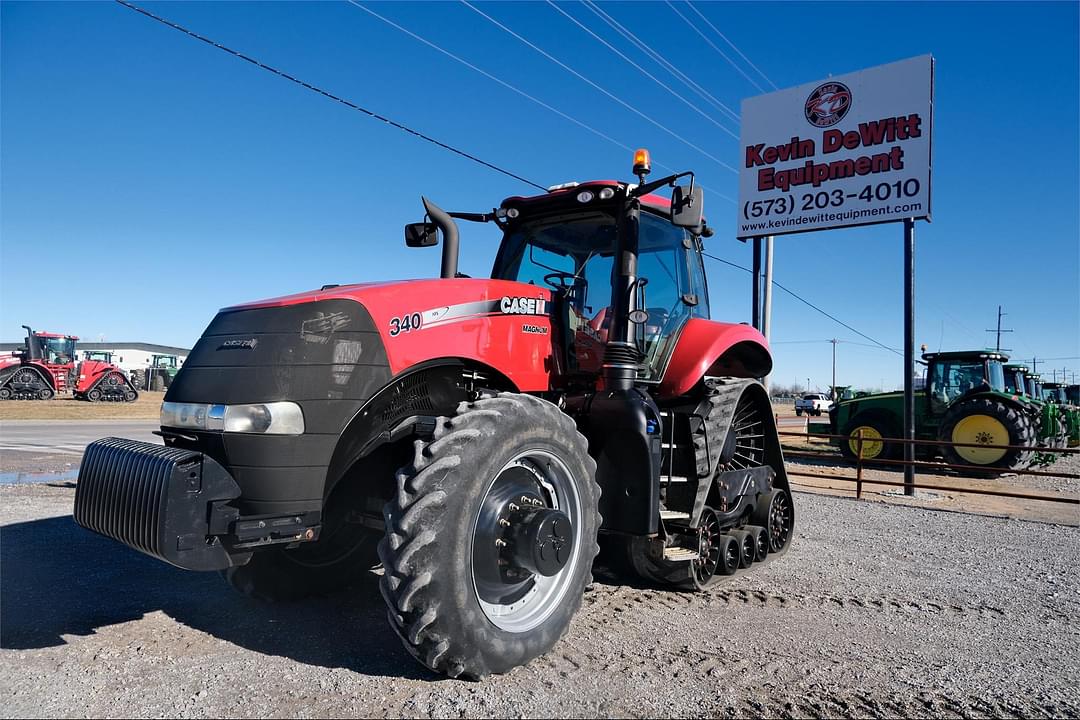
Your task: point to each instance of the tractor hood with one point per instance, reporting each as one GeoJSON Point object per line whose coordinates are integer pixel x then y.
{"type": "Point", "coordinates": [340, 345]}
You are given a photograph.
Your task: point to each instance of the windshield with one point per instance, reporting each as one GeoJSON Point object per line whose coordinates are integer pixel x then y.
{"type": "Point", "coordinates": [996, 375]}
{"type": "Point", "coordinates": [59, 350]}
{"type": "Point", "coordinates": [580, 250]}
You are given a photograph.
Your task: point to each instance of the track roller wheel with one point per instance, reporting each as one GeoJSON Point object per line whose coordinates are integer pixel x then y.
{"type": "Point", "coordinates": [45, 394]}
{"type": "Point", "coordinates": [5, 393]}
{"type": "Point", "coordinates": [94, 395]}
{"type": "Point", "coordinates": [761, 541]}
{"type": "Point", "coordinates": [747, 547]}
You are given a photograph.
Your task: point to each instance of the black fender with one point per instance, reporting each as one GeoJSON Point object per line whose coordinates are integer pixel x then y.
{"type": "Point", "coordinates": [429, 389]}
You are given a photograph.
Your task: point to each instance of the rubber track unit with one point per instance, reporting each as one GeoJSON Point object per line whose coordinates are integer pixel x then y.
{"type": "Point", "coordinates": [26, 391]}
{"type": "Point", "coordinates": [426, 554]}
{"type": "Point", "coordinates": [718, 410]}
{"type": "Point", "coordinates": [112, 395]}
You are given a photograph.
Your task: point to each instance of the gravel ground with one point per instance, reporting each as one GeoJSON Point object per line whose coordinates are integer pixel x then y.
{"type": "Point", "coordinates": [877, 611]}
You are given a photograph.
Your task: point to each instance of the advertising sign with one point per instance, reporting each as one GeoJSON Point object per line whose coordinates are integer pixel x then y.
{"type": "Point", "coordinates": [850, 150]}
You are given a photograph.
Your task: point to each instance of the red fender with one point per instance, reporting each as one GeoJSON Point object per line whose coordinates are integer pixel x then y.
{"type": "Point", "coordinates": [713, 348]}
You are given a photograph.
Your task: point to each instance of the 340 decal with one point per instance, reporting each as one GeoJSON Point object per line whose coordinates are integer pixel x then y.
{"type": "Point", "coordinates": [405, 323]}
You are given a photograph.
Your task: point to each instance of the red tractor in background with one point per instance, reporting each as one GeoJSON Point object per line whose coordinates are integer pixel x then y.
{"type": "Point", "coordinates": [46, 367]}
{"type": "Point", "coordinates": [492, 432]}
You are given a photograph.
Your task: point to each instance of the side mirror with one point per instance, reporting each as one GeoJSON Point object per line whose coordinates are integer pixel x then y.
{"type": "Point", "coordinates": [421, 235]}
{"type": "Point", "coordinates": [686, 207]}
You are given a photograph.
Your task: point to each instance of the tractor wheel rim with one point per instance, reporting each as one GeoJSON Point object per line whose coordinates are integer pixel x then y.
{"type": "Point", "coordinates": [983, 430]}
{"type": "Point", "coordinates": [527, 599]}
{"type": "Point", "coordinates": [871, 442]}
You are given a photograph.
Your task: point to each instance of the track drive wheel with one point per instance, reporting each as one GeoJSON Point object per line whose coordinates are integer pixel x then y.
{"type": "Point", "coordinates": [987, 421]}
{"type": "Point", "coordinates": [490, 537]}
{"type": "Point", "coordinates": [94, 395]}
{"type": "Point", "coordinates": [776, 514]}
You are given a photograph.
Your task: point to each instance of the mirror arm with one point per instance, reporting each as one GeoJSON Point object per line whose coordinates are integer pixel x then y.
{"type": "Point", "coordinates": [656, 184]}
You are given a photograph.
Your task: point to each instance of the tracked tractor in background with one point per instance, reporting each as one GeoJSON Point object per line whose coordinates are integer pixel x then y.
{"type": "Point", "coordinates": [492, 432]}
{"type": "Point", "coordinates": [45, 367]}
{"type": "Point", "coordinates": [41, 369]}
{"type": "Point", "coordinates": [964, 401]}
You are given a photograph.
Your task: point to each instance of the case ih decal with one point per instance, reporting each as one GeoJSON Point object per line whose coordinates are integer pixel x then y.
{"type": "Point", "coordinates": [435, 317]}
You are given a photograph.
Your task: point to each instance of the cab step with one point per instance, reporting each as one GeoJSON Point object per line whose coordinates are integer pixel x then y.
{"type": "Point", "coordinates": [674, 515]}
{"type": "Point", "coordinates": [679, 554]}
{"type": "Point", "coordinates": [673, 479]}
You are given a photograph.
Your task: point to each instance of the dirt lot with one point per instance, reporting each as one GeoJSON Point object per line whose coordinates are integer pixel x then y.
{"type": "Point", "coordinates": [67, 408]}
{"type": "Point", "coordinates": [877, 611]}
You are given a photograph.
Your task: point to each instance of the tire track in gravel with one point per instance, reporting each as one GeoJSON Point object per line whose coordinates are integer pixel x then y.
{"type": "Point", "coordinates": [625, 599]}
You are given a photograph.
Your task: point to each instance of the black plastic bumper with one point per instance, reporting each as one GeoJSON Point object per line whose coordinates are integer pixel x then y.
{"type": "Point", "coordinates": [156, 499]}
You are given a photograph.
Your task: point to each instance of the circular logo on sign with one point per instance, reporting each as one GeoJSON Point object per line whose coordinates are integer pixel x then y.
{"type": "Point", "coordinates": [828, 104]}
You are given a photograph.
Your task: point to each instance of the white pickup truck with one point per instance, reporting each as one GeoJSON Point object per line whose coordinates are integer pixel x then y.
{"type": "Point", "coordinates": [813, 404]}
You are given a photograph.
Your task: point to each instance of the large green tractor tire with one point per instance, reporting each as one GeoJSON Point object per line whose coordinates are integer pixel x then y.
{"type": "Point", "coordinates": [988, 421]}
{"type": "Point", "coordinates": [874, 427]}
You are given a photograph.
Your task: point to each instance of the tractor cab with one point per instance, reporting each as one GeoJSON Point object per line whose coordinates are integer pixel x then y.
{"type": "Point", "coordinates": [1072, 393]}
{"type": "Point", "coordinates": [1054, 392]}
{"type": "Point", "coordinates": [567, 241]}
{"type": "Point", "coordinates": [1016, 378]}
{"type": "Point", "coordinates": [98, 355]}
{"type": "Point", "coordinates": [49, 348]}
{"type": "Point", "coordinates": [1034, 386]}
{"type": "Point", "coordinates": [167, 362]}
{"type": "Point", "coordinates": [952, 375]}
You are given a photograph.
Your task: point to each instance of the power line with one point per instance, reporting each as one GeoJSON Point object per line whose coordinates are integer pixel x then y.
{"type": "Point", "coordinates": [519, 91]}
{"type": "Point", "coordinates": [714, 46]}
{"type": "Point", "coordinates": [810, 305]}
{"type": "Point", "coordinates": [611, 95]}
{"type": "Point", "coordinates": [642, 70]}
{"type": "Point", "coordinates": [660, 59]}
{"type": "Point", "coordinates": [327, 94]}
{"type": "Point", "coordinates": [488, 75]}
{"type": "Point", "coordinates": [717, 31]}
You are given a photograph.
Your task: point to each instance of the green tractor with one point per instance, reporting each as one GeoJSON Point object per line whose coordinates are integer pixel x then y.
{"type": "Point", "coordinates": [1056, 394]}
{"type": "Point", "coordinates": [158, 375]}
{"type": "Point", "coordinates": [1052, 431]}
{"type": "Point", "coordinates": [964, 401]}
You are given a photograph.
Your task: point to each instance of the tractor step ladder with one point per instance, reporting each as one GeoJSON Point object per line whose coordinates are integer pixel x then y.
{"type": "Point", "coordinates": [679, 554]}
{"type": "Point", "coordinates": [674, 515]}
{"type": "Point", "coordinates": [673, 479]}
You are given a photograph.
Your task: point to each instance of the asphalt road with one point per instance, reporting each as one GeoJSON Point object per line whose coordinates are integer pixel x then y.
{"type": "Point", "coordinates": [35, 438]}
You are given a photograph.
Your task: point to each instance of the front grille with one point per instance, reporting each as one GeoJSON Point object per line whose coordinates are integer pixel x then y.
{"type": "Point", "coordinates": [155, 499]}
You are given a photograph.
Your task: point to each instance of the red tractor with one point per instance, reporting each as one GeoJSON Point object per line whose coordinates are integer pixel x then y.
{"type": "Point", "coordinates": [488, 433]}
{"type": "Point", "coordinates": [46, 367]}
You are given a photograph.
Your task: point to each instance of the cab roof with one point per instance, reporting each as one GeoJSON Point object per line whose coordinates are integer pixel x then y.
{"type": "Point", "coordinates": [966, 355]}
{"type": "Point", "coordinates": [562, 193]}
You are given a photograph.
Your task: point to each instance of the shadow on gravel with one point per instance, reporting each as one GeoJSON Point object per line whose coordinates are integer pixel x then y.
{"type": "Point", "coordinates": [59, 579]}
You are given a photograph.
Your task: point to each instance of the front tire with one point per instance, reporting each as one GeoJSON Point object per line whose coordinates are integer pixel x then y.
{"type": "Point", "coordinates": [491, 536]}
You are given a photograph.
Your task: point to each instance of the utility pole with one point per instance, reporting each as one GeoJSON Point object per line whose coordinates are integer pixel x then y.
{"type": "Point", "coordinates": [766, 296]}
{"type": "Point", "coordinates": [1034, 365]}
{"type": "Point", "coordinates": [999, 331]}
{"type": "Point", "coordinates": [833, 393]}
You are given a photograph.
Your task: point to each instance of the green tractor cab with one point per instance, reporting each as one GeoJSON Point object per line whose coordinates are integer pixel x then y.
{"type": "Point", "coordinates": [965, 400]}
{"type": "Point", "coordinates": [1052, 429]}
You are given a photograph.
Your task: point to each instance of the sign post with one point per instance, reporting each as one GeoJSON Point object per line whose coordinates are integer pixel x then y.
{"type": "Point", "coordinates": [847, 151]}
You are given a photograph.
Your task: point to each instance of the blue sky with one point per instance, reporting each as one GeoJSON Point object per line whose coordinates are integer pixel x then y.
{"type": "Point", "coordinates": [147, 179]}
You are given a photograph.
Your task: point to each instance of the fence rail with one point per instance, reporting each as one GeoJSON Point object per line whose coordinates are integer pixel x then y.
{"type": "Point", "coordinates": [859, 462]}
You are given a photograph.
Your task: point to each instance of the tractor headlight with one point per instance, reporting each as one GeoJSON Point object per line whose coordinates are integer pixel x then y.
{"type": "Point", "coordinates": [276, 418]}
